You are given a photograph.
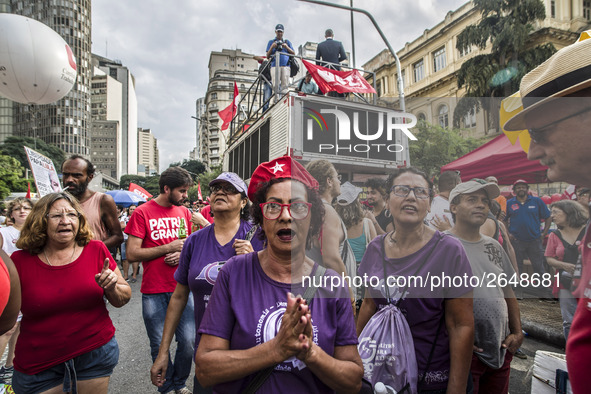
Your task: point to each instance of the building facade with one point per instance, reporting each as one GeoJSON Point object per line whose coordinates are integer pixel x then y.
{"type": "Point", "coordinates": [148, 157]}
{"type": "Point", "coordinates": [200, 109]}
{"type": "Point", "coordinates": [225, 68]}
{"type": "Point", "coordinates": [65, 124]}
{"type": "Point", "coordinates": [430, 63]}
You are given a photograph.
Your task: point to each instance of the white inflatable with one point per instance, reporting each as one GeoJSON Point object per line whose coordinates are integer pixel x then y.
{"type": "Point", "coordinates": [36, 65]}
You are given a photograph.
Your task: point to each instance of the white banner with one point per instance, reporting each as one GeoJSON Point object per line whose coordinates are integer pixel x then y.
{"type": "Point", "coordinates": [44, 172]}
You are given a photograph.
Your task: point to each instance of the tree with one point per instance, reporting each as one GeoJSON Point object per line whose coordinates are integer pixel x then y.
{"type": "Point", "coordinates": [195, 167]}
{"type": "Point", "coordinates": [204, 180]}
{"type": "Point", "coordinates": [11, 176]}
{"type": "Point", "coordinates": [150, 183]}
{"type": "Point", "coordinates": [437, 146]}
{"type": "Point", "coordinates": [14, 146]}
{"type": "Point", "coordinates": [506, 24]}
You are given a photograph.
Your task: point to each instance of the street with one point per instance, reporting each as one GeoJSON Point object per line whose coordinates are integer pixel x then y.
{"type": "Point", "coordinates": [132, 375]}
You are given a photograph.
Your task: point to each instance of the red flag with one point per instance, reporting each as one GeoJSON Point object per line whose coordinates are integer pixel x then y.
{"type": "Point", "coordinates": [137, 189]}
{"type": "Point", "coordinates": [228, 113]}
{"type": "Point", "coordinates": [28, 190]}
{"type": "Point", "coordinates": [329, 80]}
{"type": "Point", "coordinates": [199, 195]}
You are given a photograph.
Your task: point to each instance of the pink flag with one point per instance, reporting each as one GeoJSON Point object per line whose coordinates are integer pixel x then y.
{"type": "Point", "coordinates": [329, 80]}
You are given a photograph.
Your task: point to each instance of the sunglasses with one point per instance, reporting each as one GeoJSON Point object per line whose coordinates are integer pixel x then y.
{"type": "Point", "coordinates": [539, 135]}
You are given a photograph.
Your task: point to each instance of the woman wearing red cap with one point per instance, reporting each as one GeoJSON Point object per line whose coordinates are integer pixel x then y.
{"type": "Point", "coordinates": [255, 327]}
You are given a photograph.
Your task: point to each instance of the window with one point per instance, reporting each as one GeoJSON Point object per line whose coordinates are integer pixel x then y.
{"type": "Point", "coordinates": [214, 96]}
{"type": "Point", "coordinates": [466, 50]}
{"type": "Point", "coordinates": [421, 116]}
{"type": "Point", "coordinates": [553, 8]}
{"type": "Point", "coordinates": [587, 9]}
{"type": "Point", "coordinates": [418, 70]}
{"type": "Point", "coordinates": [439, 59]}
{"type": "Point", "coordinates": [443, 116]}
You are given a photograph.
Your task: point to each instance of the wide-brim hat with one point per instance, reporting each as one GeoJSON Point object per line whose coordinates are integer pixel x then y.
{"type": "Point", "coordinates": [491, 189]}
{"type": "Point", "coordinates": [564, 73]}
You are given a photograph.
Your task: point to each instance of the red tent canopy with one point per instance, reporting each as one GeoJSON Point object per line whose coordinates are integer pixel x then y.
{"type": "Point", "coordinates": [499, 158]}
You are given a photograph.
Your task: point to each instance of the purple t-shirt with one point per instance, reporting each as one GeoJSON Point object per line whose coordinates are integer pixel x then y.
{"type": "Point", "coordinates": [422, 307]}
{"type": "Point", "coordinates": [250, 321]}
{"type": "Point", "coordinates": [201, 259]}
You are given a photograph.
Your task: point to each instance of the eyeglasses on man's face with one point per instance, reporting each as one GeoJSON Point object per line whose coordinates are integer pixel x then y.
{"type": "Point", "coordinates": [540, 135]}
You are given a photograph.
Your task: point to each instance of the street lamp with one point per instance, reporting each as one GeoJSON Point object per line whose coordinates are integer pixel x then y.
{"type": "Point", "coordinates": [398, 68]}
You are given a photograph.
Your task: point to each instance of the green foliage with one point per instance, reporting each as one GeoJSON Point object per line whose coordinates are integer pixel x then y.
{"type": "Point", "coordinates": [11, 176]}
{"type": "Point", "coordinates": [149, 183]}
{"type": "Point", "coordinates": [506, 24]}
{"type": "Point", "coordinates": [195, 167]}
{"type": "Point", "coordinates": [436, 147]}
{"type": "Point", "coordinates": [14, 146]}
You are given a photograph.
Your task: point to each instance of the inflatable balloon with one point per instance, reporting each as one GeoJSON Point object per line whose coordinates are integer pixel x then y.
{"type": "Point", "coordinates": [36, 64]}
{"type": "Point", "coordinates": [556, 197]}
{"type": "Point", "coordinates": [547, 199]}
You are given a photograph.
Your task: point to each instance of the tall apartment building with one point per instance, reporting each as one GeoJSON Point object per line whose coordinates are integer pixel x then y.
{"type": "Point", "coordinates": [430, 63]}
{"type": "Point", "coordinates": [225, 68]}
{"type": "Point", "coordinates": [147, 153]}
{"type": "Point", "coordinates": [127, 115]}
{"type": "Point", "coordinates": [200, 108]}
{"type": "Point", "coordinates": [5, 104]}
{"type": "Point", "coordinates": [66, 123]}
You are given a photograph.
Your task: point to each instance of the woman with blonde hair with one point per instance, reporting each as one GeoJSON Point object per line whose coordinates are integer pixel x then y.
{"type": "Point", "coordinates": [67, 341]}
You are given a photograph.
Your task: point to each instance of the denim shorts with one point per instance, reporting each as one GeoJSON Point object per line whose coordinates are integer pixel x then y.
{"type": "Point", "coordinates": [123, 250]}
{"type": "Point", "coordinates": [97, 363]}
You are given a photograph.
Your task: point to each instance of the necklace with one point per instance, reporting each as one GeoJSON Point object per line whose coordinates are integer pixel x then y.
{"type": "Point", "coordinates": [394, 240]}
{"type": "Point", "coordinates": [71, 258]}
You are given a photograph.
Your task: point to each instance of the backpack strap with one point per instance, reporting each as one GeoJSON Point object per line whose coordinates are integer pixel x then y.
{"type": "Point", "coordinates": [264, 374]}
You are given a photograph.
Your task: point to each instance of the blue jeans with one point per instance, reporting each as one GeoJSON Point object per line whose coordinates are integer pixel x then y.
{"type": "Point", "coordinates": [568, 306]}
{"type": "Point", "coordinates": [267, 92]}
{"type": "Point", "coordinates": [154, 312]}
{"type": "Point", "coordinates": [533, 251]}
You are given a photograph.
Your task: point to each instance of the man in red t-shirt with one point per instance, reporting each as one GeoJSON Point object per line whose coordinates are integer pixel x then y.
{"type": "Point", "coordinates": [153, 239]}
{"type": "Point", "coordinates": [556, 98]}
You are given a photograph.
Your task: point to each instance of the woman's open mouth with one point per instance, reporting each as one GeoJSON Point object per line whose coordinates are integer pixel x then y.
{"type": "Point", "coordinates": [286, 234]}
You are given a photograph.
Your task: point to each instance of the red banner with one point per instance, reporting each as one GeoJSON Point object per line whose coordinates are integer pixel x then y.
{"type": "Point", "coordinates": [329, 80]}
{"type": "Point", "coordinates": [140, 191]}
{"type": "Point", "coordinates": [199, 195]}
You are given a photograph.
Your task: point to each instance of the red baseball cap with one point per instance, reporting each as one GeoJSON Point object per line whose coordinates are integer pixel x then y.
{"type": "Point", "coordinates": [518, 182]}
{"type": "Point", "coordinates": [282, 167]}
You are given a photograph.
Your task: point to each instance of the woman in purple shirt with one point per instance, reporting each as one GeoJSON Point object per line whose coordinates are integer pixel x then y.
{"type": "Point", "coordinates": [254, 323]}
{"type": "Point", "coordinates": [440, 317]}
{"type": "Point", "coordinates": [202, 256]}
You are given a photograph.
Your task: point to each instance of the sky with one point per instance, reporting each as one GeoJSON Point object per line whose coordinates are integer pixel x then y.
{"type": "Point", "coordinates": [166, 45]}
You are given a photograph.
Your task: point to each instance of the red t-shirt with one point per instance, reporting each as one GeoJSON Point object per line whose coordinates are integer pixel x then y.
{"type": "Point", "coordinates": [64, 314]}
{"type": "Point", "coordinates": [578, 345]}
{"type": "Point", "coordinates": [157, 225]}
{"type": "Point", "coordinates": [206, 212]}
{"type": "Point", "coordinates": [4, 286]}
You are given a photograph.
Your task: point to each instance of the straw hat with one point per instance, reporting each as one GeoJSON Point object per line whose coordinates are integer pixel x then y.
{"type": "Point", "coordinates": [564, 73]}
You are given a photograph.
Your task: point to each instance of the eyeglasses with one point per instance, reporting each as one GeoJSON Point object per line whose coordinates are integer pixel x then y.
{"type": "Point", "coordinates": [538, 135]}
{"type": "Point", "coordinates": [71, 216]}
{"type": "Point", "coordinates": [228, 189]}
{"type": "Point", "coordinates": [404, 190]}
{"type": "Point", "coordinates": [298, 210]}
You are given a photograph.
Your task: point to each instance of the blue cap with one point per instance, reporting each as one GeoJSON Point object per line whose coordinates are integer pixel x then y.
{"type": "Point", "coordinates": [279, 27]}
{"type": "Point", "coordinates": [233, 179]}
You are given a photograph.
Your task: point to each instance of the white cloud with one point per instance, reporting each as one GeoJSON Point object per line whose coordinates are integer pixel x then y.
{"type": "Point", "coordinates": [166, 45]}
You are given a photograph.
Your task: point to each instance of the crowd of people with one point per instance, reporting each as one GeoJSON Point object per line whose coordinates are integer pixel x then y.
{"type": "Point", "coordinates": [253, 288]}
